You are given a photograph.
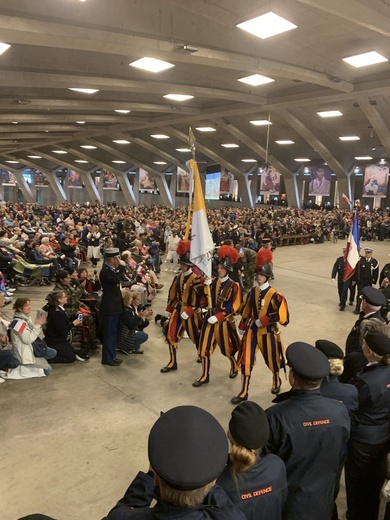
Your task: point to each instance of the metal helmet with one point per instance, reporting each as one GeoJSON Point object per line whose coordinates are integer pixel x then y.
{"type": "Point", "coordinates": [226, 263]}
{"type": "Point", "coordinates": [265, 270]}
{"type": "Point", "coordinates": [185, 259]}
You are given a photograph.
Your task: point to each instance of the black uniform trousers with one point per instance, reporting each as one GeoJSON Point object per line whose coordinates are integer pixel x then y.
{"type": "Point", "coordinates": [365, 472]}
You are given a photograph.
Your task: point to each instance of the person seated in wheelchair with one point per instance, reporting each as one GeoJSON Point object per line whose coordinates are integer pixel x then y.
{"type": "Point", "coordinates": [35, 256]}
{"type": "Point", "coordinates": [73, 307]}
{"type": "Point", "coordinates": [58, 328]}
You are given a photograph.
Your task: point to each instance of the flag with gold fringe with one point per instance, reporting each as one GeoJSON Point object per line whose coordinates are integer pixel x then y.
{"type": "Point", "coordinates": [202, 245]}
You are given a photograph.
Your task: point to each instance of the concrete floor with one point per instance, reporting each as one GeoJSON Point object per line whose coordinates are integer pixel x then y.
{"type": "Point", "coordinates": [73, 441]}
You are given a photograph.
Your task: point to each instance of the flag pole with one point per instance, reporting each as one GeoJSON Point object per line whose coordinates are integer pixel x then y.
{"type": "Point", "coordinates": [191, 140]}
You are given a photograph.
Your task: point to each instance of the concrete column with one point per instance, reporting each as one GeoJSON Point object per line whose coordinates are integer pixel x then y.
{"type": "Point", "coordinates": [244, 191]}
{"type": "Point", "coordinates": [164, 191]}
{"type": "Point", "coordinates": [90, 186]}
{"type": "Point", "coordinates": [292, 190]}
{"type": "Point", "coordinates": [25, 188]}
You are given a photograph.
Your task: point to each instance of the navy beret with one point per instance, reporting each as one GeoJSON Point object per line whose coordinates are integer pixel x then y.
{"type": "Point", "coordinates": [374, 296]}
{"type": "Point", "coordinates": [330, 349]}
{"type": "Point", "coordinates": [249, 425]}
{"type": "Point", "coordinates": [187, 448]}
{"type": "Point", "coordinates": [306, 361]}
{"type": "Point", "coordinates": [378, 342]}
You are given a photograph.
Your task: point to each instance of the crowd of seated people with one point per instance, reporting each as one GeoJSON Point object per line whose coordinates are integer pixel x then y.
{"type": "Point", "coordinates": [65, 236]}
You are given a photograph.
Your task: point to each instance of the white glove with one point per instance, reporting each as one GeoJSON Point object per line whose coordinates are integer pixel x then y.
{"type": "Point", "coordinates": [212, 320]}
{"type": "Point", "coordinates": [167, 314]}
{"type": "Point", "coordinates": [333, 279]}
{"type": "Point", "coordinates": [258, 323]}
{"type": "Point", "coordinates": [240, 332]}
{"type": "Point", "coordinates": [184, 315]}
{"type": "Point", "coordinates": [207, 281]}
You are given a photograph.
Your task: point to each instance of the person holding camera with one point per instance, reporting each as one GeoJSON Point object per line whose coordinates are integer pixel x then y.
{"type": "Point", "coordinates": [58, 327]}
{"type": "Point", "coordinates": [133, 321]}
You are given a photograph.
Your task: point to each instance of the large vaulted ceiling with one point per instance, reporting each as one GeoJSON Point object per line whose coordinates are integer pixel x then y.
{"type": "Point", "coordinates": [62, 44]}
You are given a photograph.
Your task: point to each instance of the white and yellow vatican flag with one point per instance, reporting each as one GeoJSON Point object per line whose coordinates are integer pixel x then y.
{"type": "Point", "coordinates": [202, 245]}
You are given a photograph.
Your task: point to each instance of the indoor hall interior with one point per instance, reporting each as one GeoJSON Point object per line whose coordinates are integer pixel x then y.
{"type": "Point", "coordinates": [73, 441]}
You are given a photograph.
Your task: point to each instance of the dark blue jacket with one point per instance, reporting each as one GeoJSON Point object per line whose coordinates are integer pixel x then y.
{"type": "Point", "coordinates": [309, 432]}
{"type": "Point", "coordinates": [111, 285]}
{"type": "Point", "coordinates": [370, 423]}
{"type": "Point", "coordinates": [260, 491]}
{"type": "Point", "coordinates": [138, 497]}
{"type": "Point", "coordinates": [346, 394]}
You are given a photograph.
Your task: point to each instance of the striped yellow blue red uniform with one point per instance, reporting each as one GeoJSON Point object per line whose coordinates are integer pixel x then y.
{"type": "Point", "coordinates": [184, 296]}
{"type": "Point", "coordinates": [270, 307]}
{"type": "Point", "coordinates": [224, 332]}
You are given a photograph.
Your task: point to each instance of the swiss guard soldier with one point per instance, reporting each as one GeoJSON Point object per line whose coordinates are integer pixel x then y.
{"type": "Point", "coordinates": [264, 308]}
{"type": "Point", "coordinates": [184, 306]}
{"type": "Point", "coordinates": [220, 327]}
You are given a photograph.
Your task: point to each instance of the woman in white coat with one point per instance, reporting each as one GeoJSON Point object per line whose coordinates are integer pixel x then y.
{"type": "Point", "coordinates": [24, 331]}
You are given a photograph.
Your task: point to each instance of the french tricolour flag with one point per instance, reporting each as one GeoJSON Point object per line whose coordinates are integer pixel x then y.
{"type": "Point", "coordinates": [352, 251]}
{"type": "Point", "coordinates": [18, 325]}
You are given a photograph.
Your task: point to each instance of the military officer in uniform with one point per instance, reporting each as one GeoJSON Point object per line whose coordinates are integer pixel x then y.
{"type": "Point", "coordinates": [111, 306]}
{"type": "Point", "coordinates": [342, 287]}
{"type": "Point", "coordinates": [366, 465]}
{"type": "Point", "coordinates": [183, 309]}
{"type": "Point", "coordinates": [354, 361]}
{"type": "Point", "coordinates": [187, 451]}
{"type": "Point", "coordinates": [309, 432]}
{"type": "Point", "coordinates": [367, 273]}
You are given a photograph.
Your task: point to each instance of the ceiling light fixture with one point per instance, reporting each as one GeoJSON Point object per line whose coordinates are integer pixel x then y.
{"type": "Point", "coordinates": [183, 149]}
{"type": "Point", "coordinates": [80, 122]}
{"type": "Point", "coordinates": [151, 64]}
{"type": "Point", "coordinates": [14, 122]}
{"type": "Point", "coordinates": [266, 25]}
{"type": "Point", "coordinates": [4, 47]}
{"type": "Point", "coordinates": [284, 141]}
{"type": "Point", "coordinates": [349, 138]}
{"type": "Point", "coordinates": [159, 136]}
{"type": "Point", "coordinates": [255, 80]}
{"type": "Point", "coordinates": [12, 162]}
{"type": "Point", "coordinates": [230, 145]}
{"type": "Point", "coordinates": [88, 146]}
{"type": "Point", "coordinates": [34, 156]}
{"type": "Point", "coordinates": [302, 159]}
{"type": "Point", "coordinates": [364, 158]}
{"type": "Point", "coordinates": [367, 58]}
{"type": "Point", "coordinates": [81, 161]}
{"type": "Point", "coordinates": [119, 162]}
{"type": "Point", "coordinates": [59, 151]}
{"type": "Point", "coordinates": [85, 90]}
{"type": "Point", "coordinates": [330, 113]}
{"type": "Point", "coordinates": [122, 111]}
{"type": "Point", "coordinates": [249, 160]}
{"type": "Point", "coordinates": [178, 97]}
{"type": "Point", "coordinates": [261, 122]}
{"type": "Point", "coordinates": [121, 141]}
{"type": "Point", "coordinates": [205, 129]}
{"type": "Point", "coordinates": [159, 162]}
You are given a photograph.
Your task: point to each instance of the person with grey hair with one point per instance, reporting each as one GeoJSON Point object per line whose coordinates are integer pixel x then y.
{"type": "Point", "coordinates": [372, 302]}
{"type": "Point", "coordinates": [354, 362]}
{"type": "Point", "coordinates": [187, 450]}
